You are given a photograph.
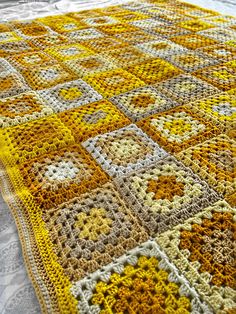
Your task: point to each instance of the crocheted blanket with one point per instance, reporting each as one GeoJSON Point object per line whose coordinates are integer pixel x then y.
{"type": "Point", "coordinates": [117, 157]}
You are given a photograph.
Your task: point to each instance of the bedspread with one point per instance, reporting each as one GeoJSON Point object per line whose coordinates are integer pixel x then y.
{"type": "Point", "coordinates": [133, 88]}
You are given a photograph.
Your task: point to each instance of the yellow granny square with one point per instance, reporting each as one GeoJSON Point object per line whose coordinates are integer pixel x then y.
{"type": "Point", "coordinates": [198, 247]}
{"type": "Point", "coordinates": [154, 71]}
{"type": "Point", "coordinates": [114, 82]}
{"type": "Point", "coordinates": [195, 25]}
{"type": "Point", "coordinates": [193, 41]}
{"type": "Point", "coordinates": [177, 129]}
{"type": "Point", "coordinates": [220, 109]}
{"type": "Point", "coordinates": [31, 59]}
{"type": "Point", "coordinates": [23, 142]}
{"type": "Point", "coordinates": [68, 52]}
{"type": "Point", "coordinates": [214, 161]}
{"type": "Point", "coordinates": [47, 76]}
{"type": "Point", "coordinates": [93, 119]}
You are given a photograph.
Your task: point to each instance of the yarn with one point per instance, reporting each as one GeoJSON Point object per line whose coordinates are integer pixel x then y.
{"type": "Point", "coordinates": [117, 157]}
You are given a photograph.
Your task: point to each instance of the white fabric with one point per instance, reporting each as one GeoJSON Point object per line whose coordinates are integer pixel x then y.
{"type": "Point", "coordinates": [223, 6]}
{"type": "Point", "coordinates": [41, 8]}
{"type": "Point", "coordinates": [17, 294]}
{"type": "Point", "coordinates": [29, 9]}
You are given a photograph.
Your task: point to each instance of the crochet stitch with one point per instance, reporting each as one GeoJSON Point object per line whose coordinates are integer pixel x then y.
{"type": "Point", "coordinates": [117, 157]}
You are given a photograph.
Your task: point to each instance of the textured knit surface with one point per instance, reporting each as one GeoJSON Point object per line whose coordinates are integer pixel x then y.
{"type": "Point", "coordinates": [117, 157]}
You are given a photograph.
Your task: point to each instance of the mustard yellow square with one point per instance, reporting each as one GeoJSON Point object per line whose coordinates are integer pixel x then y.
{"type": "Point", "coordinates": [62, 23]}
{"type": "Point", "coordinates": [214, 161]}
{"type": "Point", "coordinates": [113, 82]}
{"type": "Point", "coordinates": [220, 109]}
{"type": "Point", "coordinates": [68, 52]}
{"type": "Point", "coordinates": [31, 59]}
{"type": "Point", "coordinates": [154, 71]}
{"type": "Point", "coordinates": [104, 44]}
{"type": "Point", "coordinates": [128, 16]}
{"type": "Point", "coordinates": [222, 76]}
{"type": "Point", "coordinates": [29, 140]}
{"type": "Point", "coordinates": [49, 41]}
{"type": "Point", "coordinates": [46, 76]}
{"type": "Point", "coordinates": [117, 29]}
{"type": "Point", "coordinates": [5, 27]}
{"type": "Point", "coordinates": [193, 41]}
{"type": "Point", "coordinates": [195, 25]}
{"type": "Point", "coordinates": [93, 119]}
{"type": "Point", "coordinates": [220, 52]}
{"type": "Point", "coordinates": [177, 129]}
